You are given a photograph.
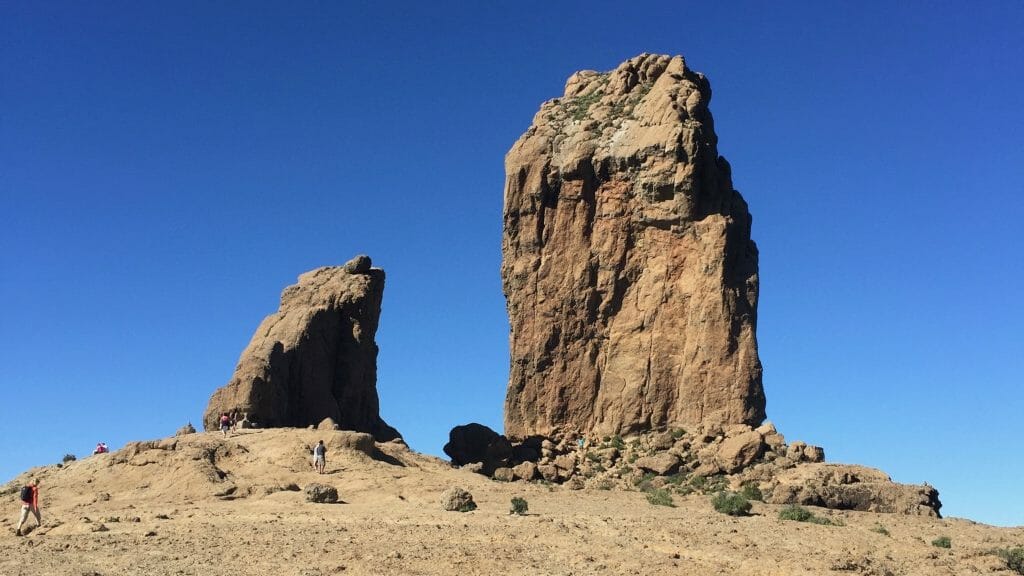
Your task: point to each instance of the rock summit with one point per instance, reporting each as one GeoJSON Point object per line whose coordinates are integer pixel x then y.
{"type": "Point", "coordinates": [315, 358]}
{"type": "Point", "coordinates": [630, 277]}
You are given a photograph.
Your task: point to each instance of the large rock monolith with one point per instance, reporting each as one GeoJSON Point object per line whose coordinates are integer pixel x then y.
{"type": "Point", "coordinates": [314, 358]}
{"type": "Point", "coordinates": [630, 277]}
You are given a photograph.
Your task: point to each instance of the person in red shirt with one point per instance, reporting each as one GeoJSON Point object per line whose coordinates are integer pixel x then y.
{"type": "Point", "coordinates": [30, 504]}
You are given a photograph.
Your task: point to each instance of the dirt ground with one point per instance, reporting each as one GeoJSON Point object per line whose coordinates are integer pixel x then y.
{"type": "Point", "coordinates": [200, 503]}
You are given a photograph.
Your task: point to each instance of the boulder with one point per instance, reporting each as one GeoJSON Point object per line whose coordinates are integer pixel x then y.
{"type": "Point", "coordinates": [662, 463]}
{"type": "Point", "coordinates": [624, 240]}
{"type": "Point", "coordinates": [474, 442]}
{"type": "Point", "coordinates": [848, 487]}
{"type": "Point", "coordinates": [566, 463]}
{"type": "Point", "coordinates": [321, 494]}
{"type": "Point", "coordinates": [457, 500]}
{"type": "Point", "coordinates": [186, 429]}
{"type": "Point", "coordinates": [348, 440]}
{"type": "Point", "coordinates": [814, 454]}
{"type": "Point", "coordinates": [549, 472]}
{"type": "Point", "coordinates": [314, 358]}
{"type": "Point", "coordinates": [737, 452]}
{"type": "Point", "coordinates": [328, 424]}
{"type": "Point", "coordinates": [525, 471]}
{"type": "Point", "coordinates": [503, 474]}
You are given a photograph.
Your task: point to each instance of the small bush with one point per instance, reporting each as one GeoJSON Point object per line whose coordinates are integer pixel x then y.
{"type": "Point", "coordinates": [68, 458]}
{"type": "Point", "coordinates": [643, 483]}
{"type": "Point", "coordinates": [752, 492]}
{"type": "Point", "coordinates": [519, 506]}
{"type": "Point", "coordinates": [617, 442]}
{"type": "Point", "coordinates": [698, 482]}
{"type": "Point", "coordinates": [716, 483]}
{"type": "Point", "coordinates": [678, 433]}
{"type": "Point", "coordinates": [795, 513]}
{"type": "Point", "coordinates": [1014, 558]}
{"type": "Point", "coordinates": [943, 542]}
{"type": "Point", "coordinates": [660, 497]}
{"type": "Point", "coordinates": [731, 503]}
{"type": "Point", "coordinates": [880, 530]}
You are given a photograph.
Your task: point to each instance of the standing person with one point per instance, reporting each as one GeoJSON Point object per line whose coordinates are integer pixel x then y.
{"type": "Point", "coordinates": [225, 423]}
{"type": "Point", "coordinates": [320, 457]}
{"type": "Point", "coordinates": [29, 503]}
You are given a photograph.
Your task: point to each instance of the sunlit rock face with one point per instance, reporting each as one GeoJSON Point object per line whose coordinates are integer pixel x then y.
{"type": "Point", "coordinates": [628, 269]}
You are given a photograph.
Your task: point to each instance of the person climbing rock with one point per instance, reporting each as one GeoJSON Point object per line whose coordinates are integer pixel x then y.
{"type": "Point", "coordinates": [225, 423]}
{"type": "Point", "coordinates": [29, 503]}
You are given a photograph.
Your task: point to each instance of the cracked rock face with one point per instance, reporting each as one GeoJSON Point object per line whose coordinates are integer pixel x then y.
{"type": "Point", "coordinates": [628, 269]}
{"type": "Point", "coordinates": [314, 358]}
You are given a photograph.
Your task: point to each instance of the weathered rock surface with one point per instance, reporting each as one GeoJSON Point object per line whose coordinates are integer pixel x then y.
{"type": "Point", "coordinates": [628, 268]}
{"type": "Point", "coordinates": [457, 500]}
{"type": "Point", "coordinates": [321, 494]}
{"type": "Point", "coordinates": [315, 358]}
{"type": "Point", "coordinates": [738, 452]}
{"type": "Point", "coordinates": [848, 487]}
{"type": "Point", "coordinates": [662, 463]}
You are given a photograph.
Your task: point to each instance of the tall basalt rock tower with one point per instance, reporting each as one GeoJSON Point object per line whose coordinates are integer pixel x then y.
{"type": "Point", "coordinates": [628, 268]}
{"type": "Point", "coordinates": [315, 357]}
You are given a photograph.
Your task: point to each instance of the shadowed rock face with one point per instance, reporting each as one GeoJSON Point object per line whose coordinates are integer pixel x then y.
{"type": "Point", "coordinates": [628, 269]}
{"type": "Point", "coordinates": [315, 358]}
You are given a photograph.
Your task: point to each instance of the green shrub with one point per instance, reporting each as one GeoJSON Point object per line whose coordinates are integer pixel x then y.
{"type": "Point", "coordinates": [617, 442]}
{"type": "Point", "coordinates": [660, 497]}
{"type": "Point", "coordinates": [68, 458]}
{"type": "Point", "coordinates": [880, 530]}
{"type": "Point", "coordinates": [716, 483]}
{"type": "Point", "coordinates": [752, 492]}
{"type": "Point", "coordinates": [593, 457]}
{"type": "Point", "coordinates": [795, 513]}
{"type": "Point", "coordinates": [1014, 558]}
{"type": "Point", "coordinates": [943, 542]}
{"type": "Point", "coordinates": [519, 506]}
{"type": "Point", "coordinates": [731, 503]}
{"type": "Point", "coordinates": [678, 433]}
{"type": "Point", "coordinates": [698, 482]}
{"type": "Point", "coordinates": [643, 483]}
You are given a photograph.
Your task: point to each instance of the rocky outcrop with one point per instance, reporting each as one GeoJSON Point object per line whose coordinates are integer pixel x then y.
{"type": "Point", "coordinates": [315, 358]}
{"type": "Point", "coordinates": [628, 268]}
{"type": "Point", "coordinates": [848, 487]}
{"type": "Point", "coordinates": [475, 443]}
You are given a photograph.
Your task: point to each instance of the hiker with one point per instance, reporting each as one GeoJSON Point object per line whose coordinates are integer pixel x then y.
{"type": "Point", "coordinates": [29, 503]}
{"type": "Point", "coordinates": [234, 419]}
{"type": "Point", "coordinates": [320, 457]}
{"type": "Point", "coordinates": [101, 448]}
{"type": "Point", "coordinates": [225, 423]}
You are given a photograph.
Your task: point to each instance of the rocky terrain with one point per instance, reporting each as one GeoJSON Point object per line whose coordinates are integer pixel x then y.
{"type": "Point", "coordinates": [635, 439]}
{"type": "Point", "coordinates": [630, 276]}
{"type": "Point", "coordinates": [314, 358]}
{"type": "Point", "coordinates": [197, 503]}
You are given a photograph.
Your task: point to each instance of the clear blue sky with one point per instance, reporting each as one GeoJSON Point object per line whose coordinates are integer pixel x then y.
{"type": "Point", "coordinates": [166, 169]}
